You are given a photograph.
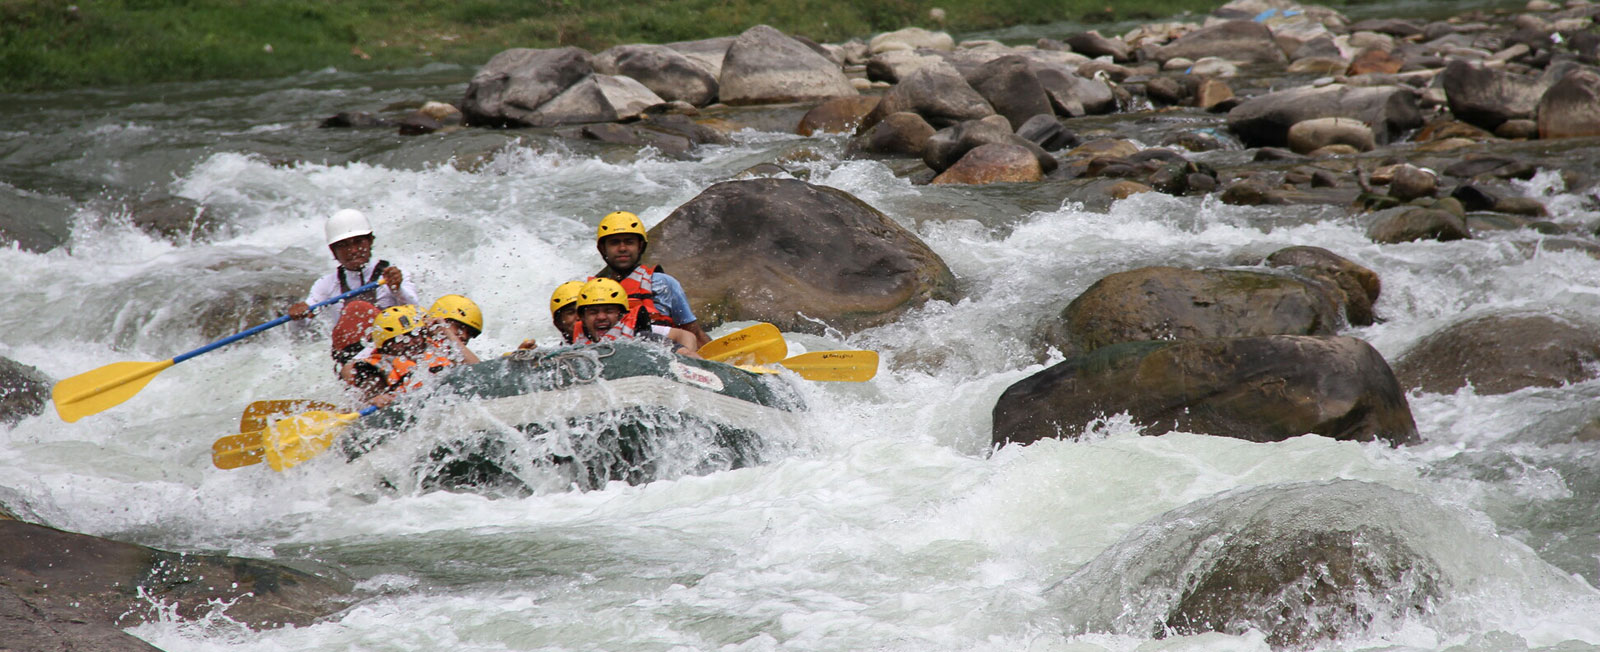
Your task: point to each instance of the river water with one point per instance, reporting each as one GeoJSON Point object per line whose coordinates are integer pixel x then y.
{"type": "Point", "coordinates": [882, 520]}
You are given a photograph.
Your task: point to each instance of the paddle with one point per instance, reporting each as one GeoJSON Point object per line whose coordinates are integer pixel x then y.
{"type": "Point", "coordinates": [248, 447]}
{"type": "Point", "coordinates": [101, 389]}
{"type": "Point", "coordinates": [260, 414]}
{"type": "Point", "coordinates": [846, 366]}
{"type": "Point", "coordinates": [299, 438]}
{"type": "Point", "coordinates": [758, 344]}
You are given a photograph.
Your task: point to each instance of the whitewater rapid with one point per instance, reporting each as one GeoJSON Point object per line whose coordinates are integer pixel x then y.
{"type": "Point", "coordinates": [884, 520]}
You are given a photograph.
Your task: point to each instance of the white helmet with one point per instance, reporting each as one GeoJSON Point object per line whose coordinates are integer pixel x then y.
{"type": "Point", "coordinates": [347, 223]}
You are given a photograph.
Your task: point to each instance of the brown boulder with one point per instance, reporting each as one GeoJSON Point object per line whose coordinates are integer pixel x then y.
{"type": "Point", "coordinates": [1502, 353]}
{"type": "Point", "coordinates": [795, 254]}
{"type": "Point", "coordinates": [993, 163]}
{"type": "Point", "coordinates": [1242, 41]}
{"type": "Point", "coordinates": [902, 133]}
{"type": "Point", "coordinates": [1359, 285]}
{"type": "Point", "coordinates": [1170, 303]}
{"type": "Point", "coordinates": [838, 115]}
{"type": "Point", "coordinates": [1252, 388]}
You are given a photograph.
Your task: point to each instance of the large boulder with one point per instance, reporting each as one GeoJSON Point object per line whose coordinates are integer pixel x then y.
{"type": "Point", "coordinates": [626, 96]}
{"type": "Point", "coordinates": [766, 66]}
{"type": "Point", "coordinates": [665, 71]}
{"type": "Point", "coordinates": [584, 101]}
{"type": "Point", "coordinates": [1242, 41]}
{"type": "Point", "coordinates": [1253, 388]}
{"type": "Point", "coordinates": [508, 89]}
{"type": "Point", "coordinates": [1305, 565]}
{"type": "Point", "coordinates": [795, 254]}
{"type": "Point", "coordinates": [26, 629]}
{"type": "Point", "coordinates": [1011, 87]}
{"type": "Point", "coordinates": [949, 145]}
{"type": "Point", "coordinates": [1486, 96]}
{"type": "Point", "coordinates": [24, 391]}
{"type": "Point", "coordinates": [89, 579]}
{"type": "Point", "coordinates": [1166, 303]}
{"type": "Point", "coordinates": [938, 93]}
{"type": "Point", "coordinates": [1072, 94]}
{"type": "Point", "coordinates": [706, 53]}
{"type": "Point", "coordinates": [1264, 120]}
{"type": "Point", "coordinates": [1571, 108]}
{"type": "Point", "coordinates": [1501, 353]}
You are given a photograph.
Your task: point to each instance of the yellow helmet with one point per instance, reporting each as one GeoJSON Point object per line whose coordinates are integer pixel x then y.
{"type": "Point", "coordinates": [620, 222]}
{"type": "Point", "coordinates": [459, 308]}
{"type": "Point", "coordinates": [394, 322]}
{"type": "Point", "coordinates": [602, 292]}
{"type": "Point", "coordinates": [565, 294]}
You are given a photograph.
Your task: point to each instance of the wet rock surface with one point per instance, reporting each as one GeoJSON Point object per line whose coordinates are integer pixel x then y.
{"type": "Point", "coordinates": [1252, 388]}
{"type": "Point", "coordinates": [1502, 353]}
{"type": "Point", "coordinates": [794, 254]}
{"type": "Point", "coordinates": [58, 586]}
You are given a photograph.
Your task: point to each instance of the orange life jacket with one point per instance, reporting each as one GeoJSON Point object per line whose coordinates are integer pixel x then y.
{"type": "Point", "coordinates": [640, 295]}
{"type": "Point", "coordinates": [397, 370]}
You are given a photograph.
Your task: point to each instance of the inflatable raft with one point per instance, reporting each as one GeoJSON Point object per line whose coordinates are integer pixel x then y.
{"type": "Point", "coordinates": [584, 416]}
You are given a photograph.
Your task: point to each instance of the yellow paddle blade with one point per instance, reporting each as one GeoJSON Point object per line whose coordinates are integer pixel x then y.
{"type": "Point", "coordinates": [260, 414]}
{"type": "Point", "coordinates": [758, 344]}
{"type": "Point", "coordinates": [847, 366]}
{"type": "Point", "coordinates": [294, 440]}
{"type": "Point", "coordinates": [102, 389]}
{"type": "Point", "coordinates": [243, 449]}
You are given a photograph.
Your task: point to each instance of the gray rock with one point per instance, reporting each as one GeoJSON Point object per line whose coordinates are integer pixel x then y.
{"type": "Point", "coordinates": [1502, 353]}
{"type": "Point", "coordinates": [1487, 97]}
{"type": "Point", "coordinates": [1091, 43]}
{"type": "Point", "coordinates": [1259, 389]}
{"type": "Point", "coordinates": [766, 66]}
{"type": "Point", "coordinates": [792, 254]}
{"type": "Point", "coordinates": [1072, 94]}
{"type": "Point", "coordinates": [706, 53]}
{"type": "Point", "coordinates": [1048, 133]}
{"type": "Point", "coordinates": [1264, 120]}
{"type": "Point", "coordinates": [950, 144]}
{"type": "Point", "coordinates": [628, 98]}
{"type": "Point", "coordinates": [895, 65]}
{"type": "Point", "coordinates": [1571, 107]}
{"type": "Point", "coordinates": [938, 93]}
{"type": "Point", "coordinates": [511, 87]}
{"type": "Point", "coordinates": [1011, 88]}
{"type": "Point", "coordinates": [1240, 41]}
{"type": "Point", "coordinates": [1408, 224]}
{"type": "Point", "coordinates": [24, 391]}
{"type": "Point", "coordinates": [583, 101]}
{"type": "Point", "coordinates": [668, 73]}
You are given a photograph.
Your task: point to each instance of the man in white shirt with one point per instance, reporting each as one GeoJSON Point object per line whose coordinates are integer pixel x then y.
{"type": "Point", "coordinates": [350, 239]}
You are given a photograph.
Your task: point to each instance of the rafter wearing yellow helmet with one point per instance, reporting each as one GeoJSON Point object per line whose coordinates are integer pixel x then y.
{"type": "Point", "coordinates": [622, 240]}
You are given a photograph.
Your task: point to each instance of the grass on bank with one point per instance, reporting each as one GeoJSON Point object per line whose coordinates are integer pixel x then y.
{"type": "Point", "coordinates": [54, 44]}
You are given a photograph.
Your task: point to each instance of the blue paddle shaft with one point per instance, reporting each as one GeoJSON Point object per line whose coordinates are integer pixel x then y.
{"type": "Point", "coordinates": [276, 322]}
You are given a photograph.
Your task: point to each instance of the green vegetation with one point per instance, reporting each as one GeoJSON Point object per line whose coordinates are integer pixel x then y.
{"type": "Point", "coordinates": [52, 44]}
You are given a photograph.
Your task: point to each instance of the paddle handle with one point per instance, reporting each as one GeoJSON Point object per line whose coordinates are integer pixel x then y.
{"type": "Point", "coordinates": [271, 324]}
